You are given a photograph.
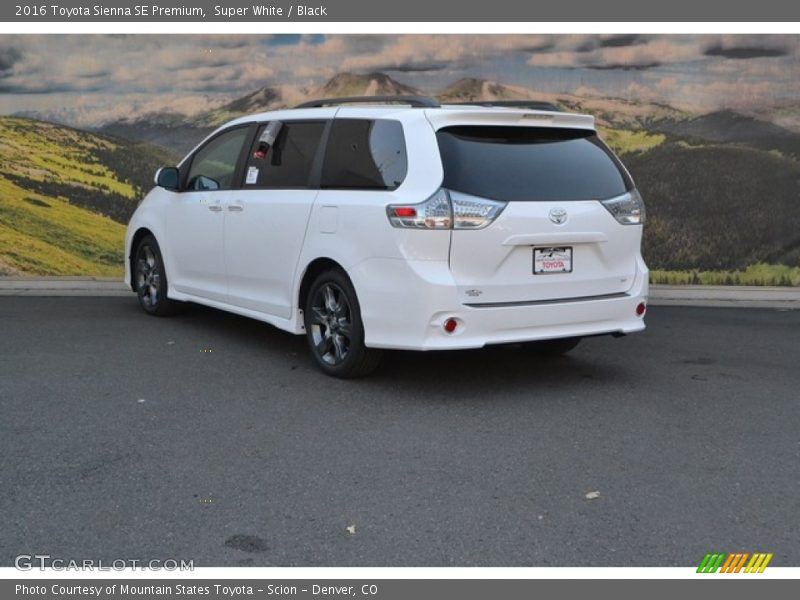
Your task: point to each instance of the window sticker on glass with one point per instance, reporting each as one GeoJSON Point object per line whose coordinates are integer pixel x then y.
{"type": "Point", "coordinates": [252, 176]}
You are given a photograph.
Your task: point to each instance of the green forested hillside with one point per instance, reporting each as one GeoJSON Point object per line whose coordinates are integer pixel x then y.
{"type": "Point", "coordinates": [730, 127]}
{"type": "Point", "coordinates": [718, 207]}
{"type": "Point", "coordinates": [65, 196]}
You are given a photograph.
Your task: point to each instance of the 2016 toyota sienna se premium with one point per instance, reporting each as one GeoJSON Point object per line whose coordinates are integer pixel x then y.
{"type": "Point", "coordinates": [375, 223]}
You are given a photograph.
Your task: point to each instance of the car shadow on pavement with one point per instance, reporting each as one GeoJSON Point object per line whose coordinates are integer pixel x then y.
{"type": "Point", "coordinates": [489, 369]}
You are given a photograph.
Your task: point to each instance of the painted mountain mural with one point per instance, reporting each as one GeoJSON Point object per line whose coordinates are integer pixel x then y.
{"type": "Point", "coordinates": [709, 128]}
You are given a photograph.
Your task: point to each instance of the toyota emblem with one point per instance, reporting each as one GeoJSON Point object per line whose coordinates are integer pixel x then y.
{"type": "Point", "coordinates": [558, 215]}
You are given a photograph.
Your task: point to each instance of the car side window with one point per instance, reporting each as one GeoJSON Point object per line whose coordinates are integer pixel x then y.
{"type": "Point", "coordinates": [283, 155]}
{"type": "Point", "coordinates": [214, 165]}
{"type": "Point", "coordinates": [365, 154]}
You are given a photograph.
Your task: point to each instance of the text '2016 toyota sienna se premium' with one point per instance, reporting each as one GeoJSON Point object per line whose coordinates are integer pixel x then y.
{"type": "Point", "coordinates": [372, 223]}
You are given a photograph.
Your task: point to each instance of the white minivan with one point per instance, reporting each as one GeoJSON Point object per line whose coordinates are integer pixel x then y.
{"type": "Point", "coordinates": [398, 223]}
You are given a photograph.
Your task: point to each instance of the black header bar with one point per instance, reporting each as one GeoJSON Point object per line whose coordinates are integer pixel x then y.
{"type": "Point", "coordinates": [449, 11]}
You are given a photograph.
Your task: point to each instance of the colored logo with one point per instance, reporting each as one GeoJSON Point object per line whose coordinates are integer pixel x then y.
{"type": "Point", "coordinates": [740, 562]}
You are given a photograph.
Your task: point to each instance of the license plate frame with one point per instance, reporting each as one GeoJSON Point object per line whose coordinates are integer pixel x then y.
{"type": "Point", "coordinates": [553, 260]}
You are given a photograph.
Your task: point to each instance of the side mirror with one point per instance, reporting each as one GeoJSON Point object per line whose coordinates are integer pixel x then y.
{"type": "Point", "coordinates": [168, 178]}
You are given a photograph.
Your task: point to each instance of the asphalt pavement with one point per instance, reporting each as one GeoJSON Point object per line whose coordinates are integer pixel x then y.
{"type": "Point", "coordinates": [212, 437]}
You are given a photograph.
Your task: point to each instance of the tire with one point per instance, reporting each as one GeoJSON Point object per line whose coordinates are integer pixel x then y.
{"type": "Point", "coordinates": [150, 280]}
{"type": "Point", "coordinates": [334, 329]}
{"type": "Point", "coordinates": [552, 347]}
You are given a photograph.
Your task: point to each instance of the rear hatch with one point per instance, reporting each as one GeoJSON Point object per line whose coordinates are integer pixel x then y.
{"type": "Point", "coordinates": [554, 240]}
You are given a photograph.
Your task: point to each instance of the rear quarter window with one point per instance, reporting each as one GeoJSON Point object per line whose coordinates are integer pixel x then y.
{"type": "Point", "coordinates": [530, 164]}
{"type": "Point", "coordinates": [365, 154]}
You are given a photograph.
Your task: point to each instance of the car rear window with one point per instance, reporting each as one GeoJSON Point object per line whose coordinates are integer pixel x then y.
{"type": "Point", "coordinates": [533, 164]}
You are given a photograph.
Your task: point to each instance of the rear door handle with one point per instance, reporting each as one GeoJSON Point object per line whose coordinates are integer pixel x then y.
{"type": "Point", "coordinates": [214, 207]}
{"type": "Point", "coordinates": [235, 207]}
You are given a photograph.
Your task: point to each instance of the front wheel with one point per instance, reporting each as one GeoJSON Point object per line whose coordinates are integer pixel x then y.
{"type": "Point", "coordinates": [150, 279]}
{"type": "Point", "coordinates": [334, 330]}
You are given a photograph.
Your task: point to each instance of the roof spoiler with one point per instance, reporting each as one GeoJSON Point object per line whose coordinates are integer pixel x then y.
{"type": "Point", "coordinates": [529, 104]}
{"type": "Point", "coordinates": [477, 115]}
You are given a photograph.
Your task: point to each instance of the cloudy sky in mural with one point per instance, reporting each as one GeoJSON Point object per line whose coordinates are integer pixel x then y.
{"type": "Point", "coordinates": [99, 78]}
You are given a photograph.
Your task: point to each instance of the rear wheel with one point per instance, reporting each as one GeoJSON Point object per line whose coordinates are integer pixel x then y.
{"type": "Point", "coordinates": [334, 329]}
{"type": "Point", "coordinates": [552, 347]}
{"type": "Point", "coordinates": [150, 279]}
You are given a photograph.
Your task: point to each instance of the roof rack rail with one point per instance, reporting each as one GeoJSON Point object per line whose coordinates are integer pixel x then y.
{"type": "Point", "coordinates": [413, 101]}
{"type": "Point", "coordinates": [530, 104]}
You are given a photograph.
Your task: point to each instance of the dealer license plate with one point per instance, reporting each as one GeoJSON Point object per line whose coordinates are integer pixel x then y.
{"type": "Point", "coordinates": [552, 260]}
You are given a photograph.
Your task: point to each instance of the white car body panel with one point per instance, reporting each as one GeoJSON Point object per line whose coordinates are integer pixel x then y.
{"type": "Point", "coordinates": [406, 321]}
{"type": "Point", "coordinates": [503, 270]}
{"type": "Point", "coordinates": [194, 228]}
{"type": "Point", "coordinates": [263, 241]}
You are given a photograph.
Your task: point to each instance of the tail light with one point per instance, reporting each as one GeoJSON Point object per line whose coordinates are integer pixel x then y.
{"type": "Point", "coordinates": [628, 208]}
{"type": "Point", "coordinates": [435, 213]}
{"type": "Point", "coordinates": [445, 210]}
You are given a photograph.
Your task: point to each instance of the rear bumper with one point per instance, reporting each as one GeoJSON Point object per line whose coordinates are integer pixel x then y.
{"type": "Point", "coordinates": [404, 305]}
